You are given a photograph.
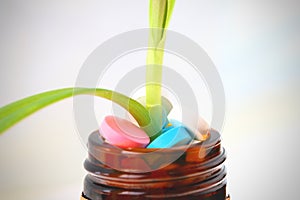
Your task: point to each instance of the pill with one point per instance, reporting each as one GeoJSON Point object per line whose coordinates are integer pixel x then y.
{"type": "Point", "coordinates": [199, 128]}
{"type": "Point", "coordinates": [123, 133]}
{"type": "Point", "coordinates": [175, 136]}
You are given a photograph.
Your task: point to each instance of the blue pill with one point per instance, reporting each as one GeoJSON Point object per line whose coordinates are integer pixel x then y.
{"type": "Point", "coordinates": [172, 137]}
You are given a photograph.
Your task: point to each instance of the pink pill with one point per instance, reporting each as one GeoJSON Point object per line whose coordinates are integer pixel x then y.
{"type": "Point", "coordinates": [123, 133]}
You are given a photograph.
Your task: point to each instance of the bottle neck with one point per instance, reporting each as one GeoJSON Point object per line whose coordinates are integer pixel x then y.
{"type": "Point", "coordinates": [200, 163]}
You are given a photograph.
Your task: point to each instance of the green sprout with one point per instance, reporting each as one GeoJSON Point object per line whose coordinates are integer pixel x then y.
{"type": "Point", "coordinates": [149, 117]}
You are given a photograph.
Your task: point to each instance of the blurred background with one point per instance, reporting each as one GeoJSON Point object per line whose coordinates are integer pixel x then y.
{"type": "Point", "coordinates": [255, 46]}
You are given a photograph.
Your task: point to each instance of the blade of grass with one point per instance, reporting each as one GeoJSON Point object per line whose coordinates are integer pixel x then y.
{"type": "Point", "coordinates": [159, 14]}
{"type": "Point", "coordinates": [159, 17]}
{"type": "Point", "coordinates": [16, 111]}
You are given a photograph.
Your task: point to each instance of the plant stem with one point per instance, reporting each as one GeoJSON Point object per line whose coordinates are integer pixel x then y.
{"type": "Point", "coordinates": [159, 17]}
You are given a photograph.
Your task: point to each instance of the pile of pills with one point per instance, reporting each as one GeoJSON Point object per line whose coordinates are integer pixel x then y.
{"type": "Point", "coordinates": [124, 134]}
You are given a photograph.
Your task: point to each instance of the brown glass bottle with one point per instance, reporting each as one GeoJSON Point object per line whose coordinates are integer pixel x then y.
{"type": "Point", "coordinates": [188, 172]}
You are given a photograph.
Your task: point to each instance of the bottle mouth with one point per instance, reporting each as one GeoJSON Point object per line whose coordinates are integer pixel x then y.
{"type": "Point", "coordinates": [97, 141]}
{"type": "Point", "coordinates": [143, 160]}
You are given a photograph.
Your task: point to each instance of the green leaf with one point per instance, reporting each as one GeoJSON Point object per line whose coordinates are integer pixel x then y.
{"type": "Point", "coordinates": [16, 111]}
{"type": "Point", "coordinates": [160, 12]}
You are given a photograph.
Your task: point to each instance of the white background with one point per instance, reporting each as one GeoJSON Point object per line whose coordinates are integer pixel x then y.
{"type": "Point", "coordinates": [254, 44]}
